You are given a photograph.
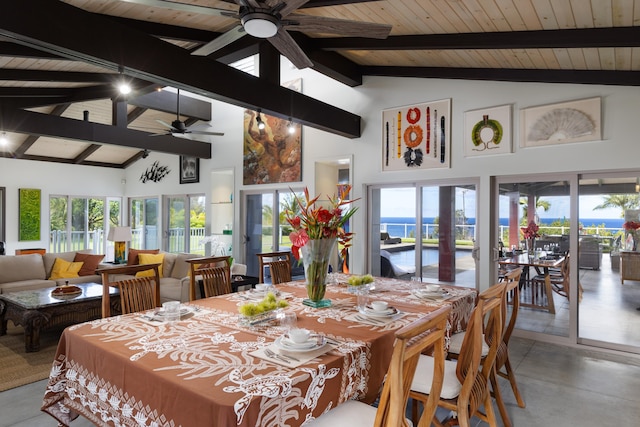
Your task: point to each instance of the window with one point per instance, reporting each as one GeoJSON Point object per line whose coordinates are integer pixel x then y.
{"type": "Point", "coordinates": [78, 223]}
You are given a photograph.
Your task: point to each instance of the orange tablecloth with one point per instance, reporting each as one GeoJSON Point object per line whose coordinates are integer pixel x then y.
{"type": "Point", "coordinates": [200, 371]}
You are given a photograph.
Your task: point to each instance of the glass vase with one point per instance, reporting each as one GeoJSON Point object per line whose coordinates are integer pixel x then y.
{"type": "Point", "coordinates": [315, 258]}
{"type": "Point", "coordinates": [531, 247]}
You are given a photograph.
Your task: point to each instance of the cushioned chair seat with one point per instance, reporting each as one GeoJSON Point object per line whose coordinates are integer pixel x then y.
{"type": "Point", "coordinates": [351, 413]}
{"type": "Point", "coordinates": [455, 344]}
{"type": "Point", "coordinates": [422, 383]}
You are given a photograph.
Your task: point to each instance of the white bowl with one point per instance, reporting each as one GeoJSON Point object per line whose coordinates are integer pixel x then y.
{"type": "Point", "coordinates": [379, 305]}
{"type": "Point", "coordinates": [299, 335]}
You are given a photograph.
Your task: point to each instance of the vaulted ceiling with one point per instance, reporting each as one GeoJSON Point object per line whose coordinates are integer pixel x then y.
{"type": "Point", "coordinates": [59, 59]}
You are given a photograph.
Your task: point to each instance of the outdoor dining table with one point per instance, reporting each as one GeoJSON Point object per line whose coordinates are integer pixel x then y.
{"type": "Point", "coordinates": [541, 265]}
{"type": "Point", "coordinates": [213, 366]}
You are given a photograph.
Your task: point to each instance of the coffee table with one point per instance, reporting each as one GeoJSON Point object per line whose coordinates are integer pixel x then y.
{"type": "Point", "coordinates": [37, 310]}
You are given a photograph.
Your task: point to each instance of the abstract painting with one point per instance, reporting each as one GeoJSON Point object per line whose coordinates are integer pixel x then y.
{"type": "Point", "coordinates": [417, 136]}
{"type": "Point", "coordinates": [272, 154]}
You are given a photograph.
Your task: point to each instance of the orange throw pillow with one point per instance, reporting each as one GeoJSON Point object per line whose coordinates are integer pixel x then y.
{"type": "Point", "coordinates": [89, 263]}
{"type": "Point", "coordinates": [132, 258]}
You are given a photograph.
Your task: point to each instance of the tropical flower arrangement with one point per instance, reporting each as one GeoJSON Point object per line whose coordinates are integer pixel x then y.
{"type": "Point", "coordinates": [311, 221]}
{"type": "Point", "coordinates": [631, 225]}
{"type": "Point", "coordinates": [530, 231]}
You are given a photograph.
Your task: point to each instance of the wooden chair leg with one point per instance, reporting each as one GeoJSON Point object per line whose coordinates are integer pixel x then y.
{"type": "Point", "coordinates": [498, 397]}
{"type": "Point", "coordinates": [547, 288]}
{"type": "Point", "coordinates": [511, 376]}
{"type": "Point", "coordinates": [491, 415]}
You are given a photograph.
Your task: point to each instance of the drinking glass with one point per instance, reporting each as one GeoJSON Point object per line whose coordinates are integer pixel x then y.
{"type": "Point", "coordinates": [171, 311]}
{"type": "Point", "coordinates": [288, 320]}
{"type": "Point", "coordinates": [363, 297]}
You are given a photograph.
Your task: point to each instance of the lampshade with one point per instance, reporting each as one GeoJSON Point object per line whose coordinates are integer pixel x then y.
{"type": "Point", "coordinates": [119, 234]}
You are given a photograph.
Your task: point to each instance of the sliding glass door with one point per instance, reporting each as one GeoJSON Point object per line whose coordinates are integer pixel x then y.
{"type": "Point", "coordinates": [144, 223]}
{"type": "Point", "coordinates": [185, 219]}
{"type": "Point", "coordinates": [426, 231]}
{"type": "Point", "coordinates": [266, 229]}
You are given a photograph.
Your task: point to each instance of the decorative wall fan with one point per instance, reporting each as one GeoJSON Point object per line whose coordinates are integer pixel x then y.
{"type": "Point", "coordinates": [265, 19]}
{"type": "Point", "coordinates": [179, 127]}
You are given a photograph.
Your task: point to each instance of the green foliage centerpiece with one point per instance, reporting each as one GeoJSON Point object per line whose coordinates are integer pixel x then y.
{"type": "Point", "coordinates": [315, 232]}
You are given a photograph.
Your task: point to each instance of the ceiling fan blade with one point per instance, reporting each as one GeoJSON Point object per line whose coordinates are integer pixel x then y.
{"type": "Point", "coordinates": [165, 124]}
{"type": "Point", "coordinates": [221, 41]}
{"type": "Point", "coordinates": [342, 27]}
{"type": "Point", "coordinates": [181, 7]}
{"type": "Point", "coordinates": [288, 47]}
{"type": "Point", "coordinates": [289, 6]}
{"type": "Point", "coordinates": [201, 132]}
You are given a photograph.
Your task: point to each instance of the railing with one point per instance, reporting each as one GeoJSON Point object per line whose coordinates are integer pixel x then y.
{"type": "Point", "coordinates": [95, 240]}
{"type": "Point", "coordinates": [430, 231]}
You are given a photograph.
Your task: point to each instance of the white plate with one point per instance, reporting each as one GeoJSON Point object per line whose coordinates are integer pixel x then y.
{"type": "Point", "coordinates": [183, 311]}
{"type": "Point", "coordinates": [423, 293]}
{"type": "Point", "coordinates": [391, 311]}
{"type": "Point", "coordinates": [315, 342]}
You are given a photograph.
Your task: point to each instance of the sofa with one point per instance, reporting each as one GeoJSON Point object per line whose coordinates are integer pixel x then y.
{"type": "Point", "coordinates": [33, 271]}
{"type": "Point", "coordinates": [174, 280]}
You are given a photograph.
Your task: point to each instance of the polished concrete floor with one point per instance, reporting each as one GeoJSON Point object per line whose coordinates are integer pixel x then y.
{"type": "Point", "coordinates": [561, 386]}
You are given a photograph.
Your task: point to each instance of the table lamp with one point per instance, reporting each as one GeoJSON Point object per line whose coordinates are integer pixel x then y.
{"type": "Point", "coordinates": [119, 236]}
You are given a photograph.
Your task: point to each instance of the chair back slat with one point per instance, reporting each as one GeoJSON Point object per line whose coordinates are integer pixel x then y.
{"type": "Point", "coordinates": [216, 280]}
{"type": "Point", "coordinates": [137, 294]}
{"type": "Point", "coordinates": [279, 264]}
{"type": "Point", "coordinates": [198, 264]}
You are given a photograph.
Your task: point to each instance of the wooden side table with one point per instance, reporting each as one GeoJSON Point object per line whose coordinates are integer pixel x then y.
{"type": "Point", "coordinates": [629, 266]}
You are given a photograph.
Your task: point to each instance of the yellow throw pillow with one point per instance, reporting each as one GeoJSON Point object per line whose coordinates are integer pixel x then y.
{"type": "Point", "coordinates": [64, 269]}
{"type": "Point", "coordinates": [150, 259]}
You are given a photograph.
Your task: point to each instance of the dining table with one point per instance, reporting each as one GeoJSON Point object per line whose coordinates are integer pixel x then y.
{"type": "Point", "coordinates": [216, 366]}
{"type": "Point", "coordinates": [531, 296]}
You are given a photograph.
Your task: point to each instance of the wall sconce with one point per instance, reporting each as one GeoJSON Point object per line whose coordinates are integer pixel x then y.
{"type": "Point", "coordinates": [119, 236]}
{"type": "Point", "coordinates": [261, 124]}
{"type": "Point", "coordinates": [291, 126]}
{"type": "Point", "coordinates": [3, 139]}
{"type": "Point", "coordinates": [637, 185]}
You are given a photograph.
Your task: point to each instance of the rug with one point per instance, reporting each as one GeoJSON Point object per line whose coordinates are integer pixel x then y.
{"type": "Point", "coordinates": [17, 367]}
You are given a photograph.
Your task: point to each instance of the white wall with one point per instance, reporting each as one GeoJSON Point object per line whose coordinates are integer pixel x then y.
{"type": "Point", "coordinates": [618, 150]}
{"type": "Point", "coordinates": [52, 179]}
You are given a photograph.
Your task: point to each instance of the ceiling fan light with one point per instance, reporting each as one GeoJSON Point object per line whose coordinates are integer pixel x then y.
{"type": "Point", "coordinates": [260, 24]}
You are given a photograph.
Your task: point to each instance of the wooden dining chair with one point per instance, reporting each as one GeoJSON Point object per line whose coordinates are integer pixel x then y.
{"type": "Point", "coordinates": [136, 293]}
{"type": "Point", "coordinates": [425, 333]}
{"type": "Point", "coordinates": [512, 290]}
{"type": "Point", "coordinates": [279, 264]}
{"type": "Point", "coordinates": [217, 280]}
{"type": "Point", "coordinates": [559, 282]}
{"type": "Point", "coordinates": [466, 379]}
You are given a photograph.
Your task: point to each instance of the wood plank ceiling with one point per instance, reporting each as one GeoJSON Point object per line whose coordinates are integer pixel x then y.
{"type": "Point", "coordinates": [60, 61]}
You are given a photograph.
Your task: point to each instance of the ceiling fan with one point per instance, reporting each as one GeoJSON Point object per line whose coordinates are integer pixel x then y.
{"type": "Point", "coordinates": [178, 127]}
{"type": "Point", "coordinates": [271, 20]}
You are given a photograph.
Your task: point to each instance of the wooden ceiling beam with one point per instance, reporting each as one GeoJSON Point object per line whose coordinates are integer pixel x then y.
{"type": "Point", "coordinates": [31, 139]}
{"type": "Point", "coordinates": [167, 102]}
{"type": "Point", "coordinates": [604, 77]}
{"type": "Point", "coordinates": [23, 75]}
{"type": "Point", "coordinates": [36, 23]}
{"type": "Point", "coordinates": [543, 39]}
{"type": "Point", "coordinates": [31, 123]}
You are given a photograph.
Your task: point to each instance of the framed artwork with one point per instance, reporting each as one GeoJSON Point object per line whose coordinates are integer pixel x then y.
{"type": "Point", "coordinates": [417, 136]}
{"type": "Point", "coordinates": [272, 154]}
{"type": "Point", "coordinates": [573, 121]}
{"type": "Point", "coordinates": [29, 214]}
{"type": "Point", "coordinates": [189, 169]}
{"type": "Point", "coordinates": [487, 131]}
